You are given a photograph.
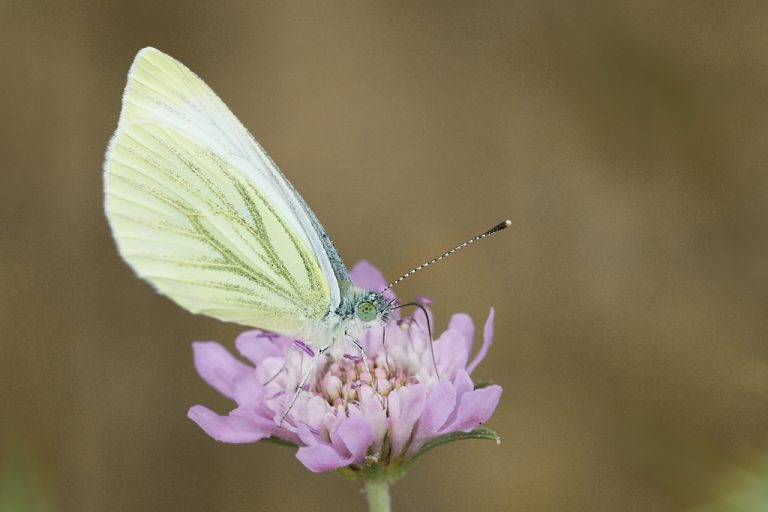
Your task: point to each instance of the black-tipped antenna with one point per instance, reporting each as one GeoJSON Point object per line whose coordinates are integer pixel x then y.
{"type": "Point", "coordinates": [495, 229]}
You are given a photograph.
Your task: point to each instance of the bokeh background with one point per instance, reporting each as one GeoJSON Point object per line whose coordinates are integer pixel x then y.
{"type": "Point", "coordinates": [627, 141]}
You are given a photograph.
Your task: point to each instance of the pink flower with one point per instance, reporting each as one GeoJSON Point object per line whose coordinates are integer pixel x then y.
{"type": "Point", "coordinates": [338, 422]}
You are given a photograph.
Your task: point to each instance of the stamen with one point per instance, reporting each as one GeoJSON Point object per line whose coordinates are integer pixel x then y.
{"type": "Point", "coordinates": [306, 348]}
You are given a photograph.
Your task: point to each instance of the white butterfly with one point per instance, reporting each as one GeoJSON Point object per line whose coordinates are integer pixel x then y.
{"type": "Point", "coordinates": [199, 210]}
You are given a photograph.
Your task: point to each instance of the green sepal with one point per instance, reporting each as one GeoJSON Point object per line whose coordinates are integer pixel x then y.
{"type": "Point", "coordinates": [397, 467]}
{"type": "Point", "coordinates": [478, 433]}
{"type": "Point", "coordinates": [483, 384]}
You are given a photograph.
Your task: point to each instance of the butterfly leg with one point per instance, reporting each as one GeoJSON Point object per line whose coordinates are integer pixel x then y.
{"type": "Point", "coordinates": [368, 369]}
{"type": "Point", "coordinates": [384, 346]}
{"type": "Point", "coordinates": [285, 363]}
{"type": "Point", "coordinates": [302, 384]}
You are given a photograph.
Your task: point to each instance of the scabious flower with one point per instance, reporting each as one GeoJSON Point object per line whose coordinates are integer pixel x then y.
{"type": "Point", "coordinates": [338, 422]}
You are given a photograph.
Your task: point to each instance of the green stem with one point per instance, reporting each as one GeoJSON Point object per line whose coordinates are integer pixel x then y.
{"type": "Point", "coordinates": [377, 492]}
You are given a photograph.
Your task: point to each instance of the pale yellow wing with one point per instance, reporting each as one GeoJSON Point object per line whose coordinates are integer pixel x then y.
{"type": "Point", "coordinates": [194, 210]}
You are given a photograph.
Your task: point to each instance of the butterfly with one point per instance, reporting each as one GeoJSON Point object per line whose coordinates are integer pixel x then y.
{"type": "Point", "coordinates": [198, 209]}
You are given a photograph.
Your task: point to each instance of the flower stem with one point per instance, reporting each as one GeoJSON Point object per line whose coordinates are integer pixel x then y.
{"type": "Point", "coordinates": [377, 492]}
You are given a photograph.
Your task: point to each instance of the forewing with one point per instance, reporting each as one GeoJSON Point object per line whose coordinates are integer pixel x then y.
{"type": "Point", "coordinates": [163, 91]}
{"type": "Point", "coordinates": [192, 213]}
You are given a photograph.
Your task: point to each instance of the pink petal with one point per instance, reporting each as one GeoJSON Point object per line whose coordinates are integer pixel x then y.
{"type": "Point", "coordinates": [423, 324]}
{"type": "Point", "coordinates": [367, 277]}
{"type": "Point", "coordinates": [357, 435]}
{"type": "Point", "coordinates": [463, 385]}
{"type": "Point", "coordinates": [439, 405]}
{"type": "Point", "coordinates": [257, 345]}
{"type": "Point", "coordinates": [475, 409]}
{"type": "Point", "coordinates": [321, 457]}
{"type": "Point", "coordinates": [308, 437]}
{"type": "Point", "coordinates": [229, 429]}
{"type": "Point", "coordinates": [248, 391]}
{"type": "Point", "coordinates": [377, 418]}
{"type": "Point", "coordinates": [408, 405]}
{"type": "Point", "coordinates": [315, 412]}
{"type": "Point", "coordinates": [487, 340]}
{"type": "Point", "coordinates": [463, 323]}
{"type": "Point", "coordinates": [270, 368]}
{"type": "Point", "coordinates": [216, 366]}
{"type": "Point", "coordinates": [393, 402]}
{"type": "Point", "coordinates": [372, 341]}
{"type": "Point", "coordinates": [331, 422]}
{"type": "Point", "coordinates": [451, 353]}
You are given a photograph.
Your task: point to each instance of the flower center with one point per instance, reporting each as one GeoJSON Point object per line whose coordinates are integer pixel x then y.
{"type": "Point", "coordinates": [342, 380]}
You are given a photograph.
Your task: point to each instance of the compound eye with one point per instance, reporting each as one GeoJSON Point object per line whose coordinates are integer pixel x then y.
{"type": "Point", "coordinates": [366, 311]}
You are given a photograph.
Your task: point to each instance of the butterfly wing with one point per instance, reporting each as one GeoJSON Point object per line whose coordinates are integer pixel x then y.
{"type": "Point", "coordinates": [198, 208]}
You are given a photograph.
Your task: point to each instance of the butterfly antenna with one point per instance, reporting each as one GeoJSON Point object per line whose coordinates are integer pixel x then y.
{"type": "Point", "coordinates": [495, 229]}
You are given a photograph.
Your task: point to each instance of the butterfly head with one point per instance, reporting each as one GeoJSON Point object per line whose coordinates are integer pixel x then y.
{"type": "Point", "coordinates": [372, 308]}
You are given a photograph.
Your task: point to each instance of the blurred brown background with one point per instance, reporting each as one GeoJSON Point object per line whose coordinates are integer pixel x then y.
{"type": "Point", "coordinates": [626, 141]}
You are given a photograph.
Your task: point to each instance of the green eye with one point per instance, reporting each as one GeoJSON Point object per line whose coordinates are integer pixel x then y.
{"type": "Point", "coordinates": [366, 311]}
